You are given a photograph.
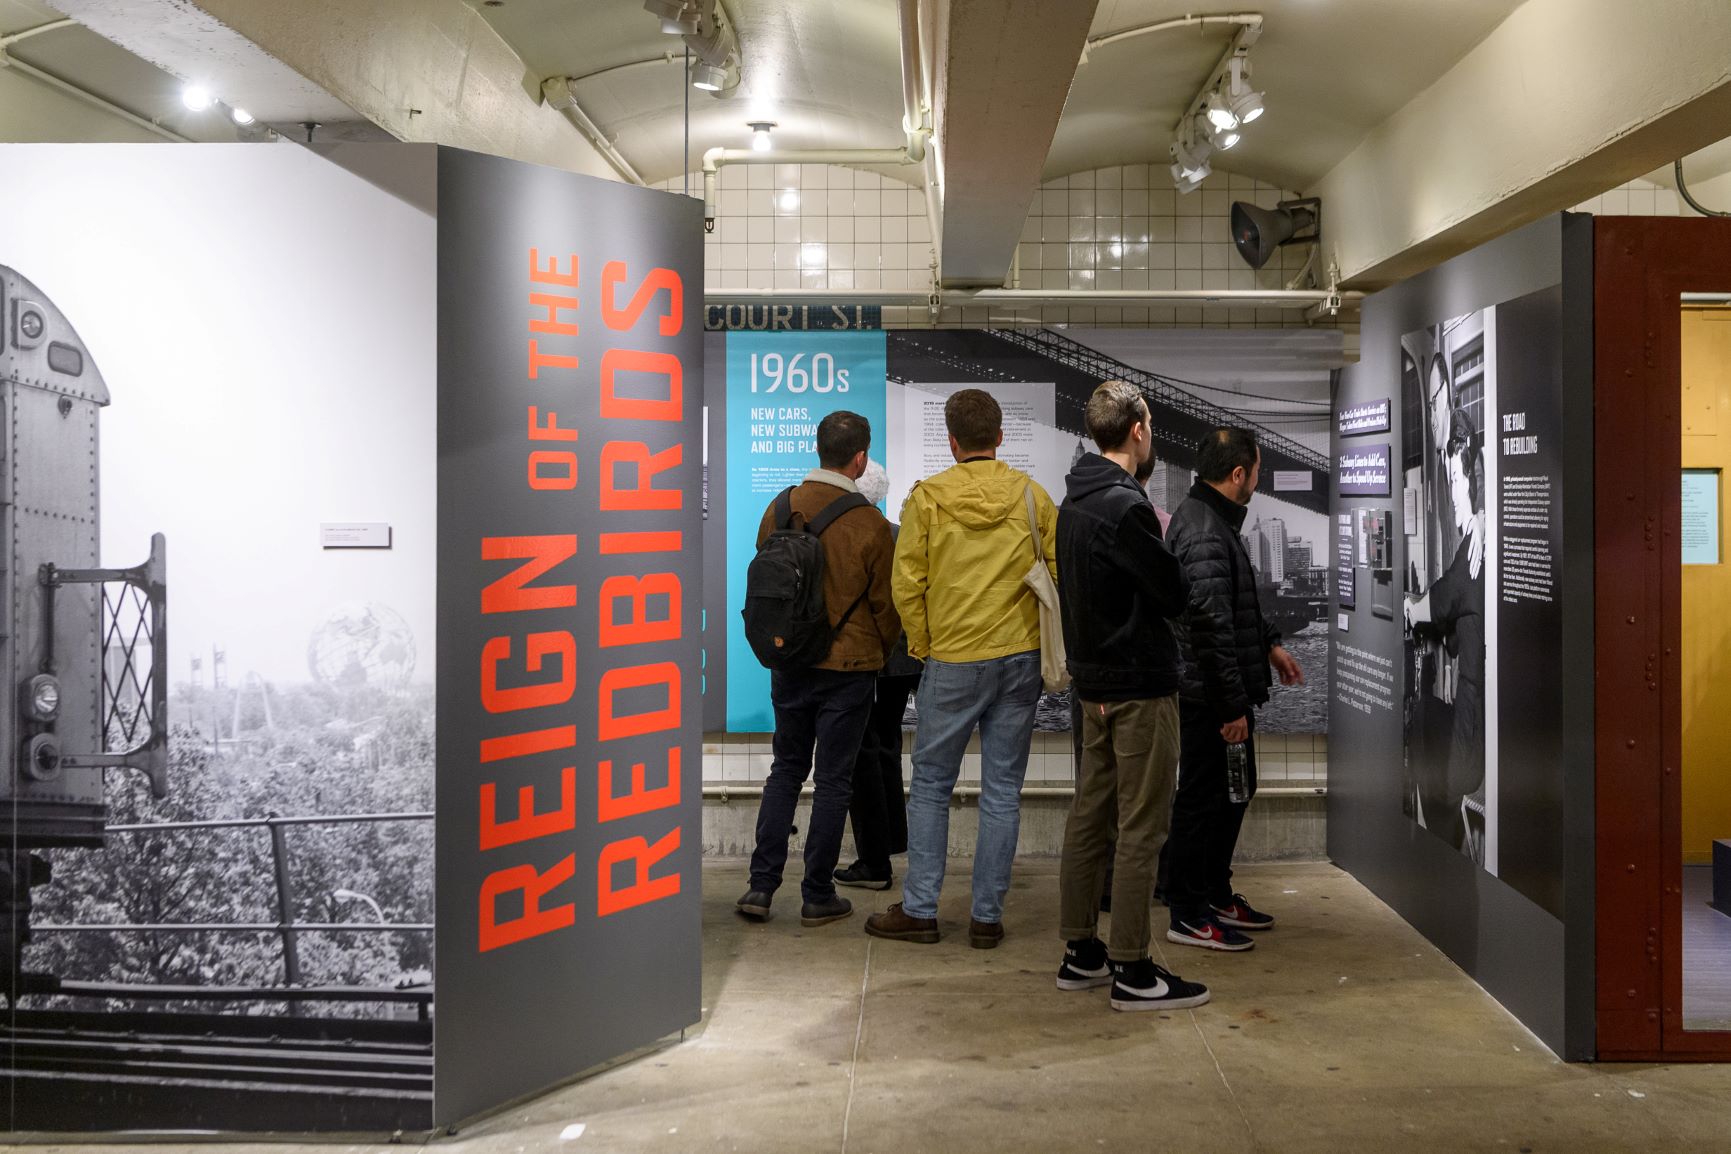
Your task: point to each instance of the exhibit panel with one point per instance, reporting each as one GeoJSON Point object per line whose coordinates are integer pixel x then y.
{"type": "Point", "coordinates": [217, 857]}
{"type": "Point", "coordinates": [1456, 790]}
{"type": "Point", "coordinates": [1275, 384]}
{"type": "Point", "coordinates": [570, 593]}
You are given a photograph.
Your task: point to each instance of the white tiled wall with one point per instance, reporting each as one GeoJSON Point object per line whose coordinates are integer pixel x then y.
{"type": "Point", "coordinates": [1638, 198]}
{"type": "Point", "coordinates": [814, 226]}
{"type": "Point", "coordinates": [1297, 759]}
{"type": "Point", "coordinates": [790, 226]}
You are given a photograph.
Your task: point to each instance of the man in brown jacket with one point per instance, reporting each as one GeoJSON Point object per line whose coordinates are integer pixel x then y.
{"type": "Point", "coordinates": [823, 709]}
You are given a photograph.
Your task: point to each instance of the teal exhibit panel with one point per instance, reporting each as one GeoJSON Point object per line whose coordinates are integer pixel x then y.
{"type": "Point", "coordinates": [398, 821]}
{"type": "Point", "coordinates": [779, 386]}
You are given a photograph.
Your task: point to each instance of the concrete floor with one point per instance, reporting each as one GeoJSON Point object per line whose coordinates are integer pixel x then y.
{"type": "Point", "coordinates": [1343, 1031]}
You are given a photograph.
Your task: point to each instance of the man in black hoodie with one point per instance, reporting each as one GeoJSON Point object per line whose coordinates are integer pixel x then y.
{"type": "Point", "coordinates": [1228, 650]}
{"type": "Point", "coordinates": [1119, 585]}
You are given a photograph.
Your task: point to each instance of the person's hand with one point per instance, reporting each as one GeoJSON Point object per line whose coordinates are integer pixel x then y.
{"type": "Point", "coordinates": [1475, 554]}
{"type": "Point", "coordinates": [1234, 732]}
{"type": "Point", "coordinates": [1285, 666]}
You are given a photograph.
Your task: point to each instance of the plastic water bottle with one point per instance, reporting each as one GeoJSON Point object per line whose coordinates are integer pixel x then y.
{"type": "Point", "coordinates": [1238, 773]}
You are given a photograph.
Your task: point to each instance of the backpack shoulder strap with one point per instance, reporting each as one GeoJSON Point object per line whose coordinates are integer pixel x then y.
{"type": "Point", "coordinates": [846, 503]}
{"type": "Point", "coordinates": [784, 509]}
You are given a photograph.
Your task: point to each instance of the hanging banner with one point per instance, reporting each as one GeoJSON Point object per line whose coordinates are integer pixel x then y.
{"type": "Point", "coordinates": [779, 387]}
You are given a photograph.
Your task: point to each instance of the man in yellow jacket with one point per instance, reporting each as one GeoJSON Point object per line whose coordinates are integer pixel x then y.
{"type": "Point", "coordinates": [967, 540]}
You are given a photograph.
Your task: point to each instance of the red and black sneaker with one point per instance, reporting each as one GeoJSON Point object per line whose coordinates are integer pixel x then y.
{"type": "Point", "coordinates": [1241, 915]}
{"type": "Point", "coordinates": [1207, 934]}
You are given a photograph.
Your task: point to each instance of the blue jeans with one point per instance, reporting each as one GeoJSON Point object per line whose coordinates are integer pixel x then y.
{"type": "Point", "coordinates": [999, 696]}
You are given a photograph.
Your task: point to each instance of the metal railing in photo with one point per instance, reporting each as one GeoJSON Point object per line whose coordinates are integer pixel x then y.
{"type": "Point", "coordinates": [293, 991]}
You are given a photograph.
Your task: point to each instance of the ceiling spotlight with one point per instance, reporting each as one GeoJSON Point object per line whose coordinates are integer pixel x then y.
{"type": "Point", "coordinates": [1257, 232]}
{"type": "Point", "coordinates": [674, 18]}
{"type": "Point", "coordinates": [1191, 155]}
{"type": "Point", "coordinates": [760, 141]}
{"type": "Point", "coordinates": [1220, 114]}
{"type": "Point", "coordinates": [1245, 102]}
{"type": "Point", "coordinates": [1189, 180]}
{"type": "Point", "coordinates": [241, 116]}
{"type": "Point", "coordinates": [196, 97]}
{"type": "Point", "coordinates": [708, 77]}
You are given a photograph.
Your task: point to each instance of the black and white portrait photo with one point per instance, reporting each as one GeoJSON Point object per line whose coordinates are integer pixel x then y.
{"type": "Point", "coordinates": [1447, 384]}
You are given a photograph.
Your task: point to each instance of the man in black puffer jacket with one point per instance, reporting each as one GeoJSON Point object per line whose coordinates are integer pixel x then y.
{"type": "Point", "coordinates": [1119, 587]}
{"type": "Point", "coordinates": [1228, 649]}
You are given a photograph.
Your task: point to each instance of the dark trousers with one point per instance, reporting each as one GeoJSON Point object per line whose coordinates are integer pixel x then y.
{"type": "Point", "coordinates": [819, 712]}
{"type": "Point", "coordinates": [879, 811]}
{"type": "Point", "coordinates": [1205, 820]}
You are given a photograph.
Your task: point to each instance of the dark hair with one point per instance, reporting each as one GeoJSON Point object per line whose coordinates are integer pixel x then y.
{"type": "Point", "coordinates": [974, 420]}
{"type": "Point", "coordinates": [1222, 450]}
{"type": "Point", "coordinates": [841, 436]}
{"type": "Point", "coordinates": [1145, 470]}
{"type": "Point", "coordinates": [1114, 409]}
{"type": "Point", "coordinates": [1463, 443]}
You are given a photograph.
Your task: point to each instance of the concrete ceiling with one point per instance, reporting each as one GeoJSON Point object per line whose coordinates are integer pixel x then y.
{"type": "Point", "coordinates": [30, 110]}
{"type": "Point", "coordinates": [827, 72]}
{"type": "Point", "coordinates": [1332, 69]}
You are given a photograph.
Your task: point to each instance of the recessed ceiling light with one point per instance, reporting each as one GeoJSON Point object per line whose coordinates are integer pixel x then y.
{"type": "Point", "coordinates": [241, 116]}
{"type": "Point", "coordinates": [196, 97]}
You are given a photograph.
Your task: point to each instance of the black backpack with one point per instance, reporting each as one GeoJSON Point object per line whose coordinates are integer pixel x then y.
{"type": "Point", "coordinates": [786, 619]}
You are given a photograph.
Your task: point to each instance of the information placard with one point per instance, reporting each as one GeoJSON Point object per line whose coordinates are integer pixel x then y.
{"type": "Point", "coordinates": [779, 387]}
{"type": "Point", "coordinates": [1700, 532]}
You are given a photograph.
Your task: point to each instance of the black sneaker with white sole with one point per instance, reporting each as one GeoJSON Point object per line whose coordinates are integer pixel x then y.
{"type": "Point", "coordinates": [1241, 915]}
{"type": "Point", "coordinates": [754, 905]}
{"type": "Point", "coordinates": [1084, 966]}
{"type": "Point", "coordinates": [1209, 934]}
{"type": "Point", "coordinates": [860, 878]}
{"type": "Point", "coordinates": [1142, 985]}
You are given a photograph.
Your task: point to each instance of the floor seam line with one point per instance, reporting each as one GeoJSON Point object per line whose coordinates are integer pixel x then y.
{"type": "Point", "coordinates": [1221, 1072]}
{"type": "Point", "coordinates": [858, 1036]}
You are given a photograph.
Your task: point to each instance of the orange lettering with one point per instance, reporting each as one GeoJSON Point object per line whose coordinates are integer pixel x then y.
{"type": "Point", "coordinates": [524, 744]}
{"type": "Point", "coordinates": [554, 305]}
{"type": "Point", "coordinates": [642, 888]}
{"type": "Point", "coordinates": [540, 646]}
{"type": "Point", "coordinates": [609, 725]}
{"type": "Point", "coordinates": [641, 628]}
{"type": "Point", "coordinates": [510, 593]}
{"type": "Point", "coordinates": [551, 274]}
{"type": "Point", "coordinates": [610, 806]}
{"type": "Point", "coordinates": [615, 407]}
{"type": "Point", "coordinates": [552, 469]}
{"type": "Point", "coordinates": [539, 360]}
{"type": "Point", "coordinates": [644, 495]}
{"type": "Point", "coordinates": [534, 886]}
{"type": "Point", "coordinates": [659, 278]}
{"type": "Point", "coordinates": [549, 431]}
{"type": "Point", "coordinates": [528, 824]}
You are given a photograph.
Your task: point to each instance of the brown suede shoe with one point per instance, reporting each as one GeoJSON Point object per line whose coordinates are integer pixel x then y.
{"type": "Point", "coordinates": [985, 935]}
{"type": "Point", "coordinates": [898, 927]}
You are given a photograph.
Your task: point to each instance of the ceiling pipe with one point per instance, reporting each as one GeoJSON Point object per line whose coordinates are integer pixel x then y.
{"type": "Point", "coordinates": [559, 94]}
{"type": "Point", "coordinates": [917, 116]}
{"type": "Point", "coordinates": [1326, 300]}
{"type": "Point", "coordinates": [13, 38]}
{"type": "Point", "coordinates": [12, 63]}
{"type": "Point", "coordinates": [1248, 20]}
{"type": "Point", "coordinates": [914, 124]}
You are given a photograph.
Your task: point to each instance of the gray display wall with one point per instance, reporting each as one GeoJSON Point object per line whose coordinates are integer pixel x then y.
{"type": "Point", "coordinates": [1460, 776]}
{"type": "Point", "coordinates": [569, 397]}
